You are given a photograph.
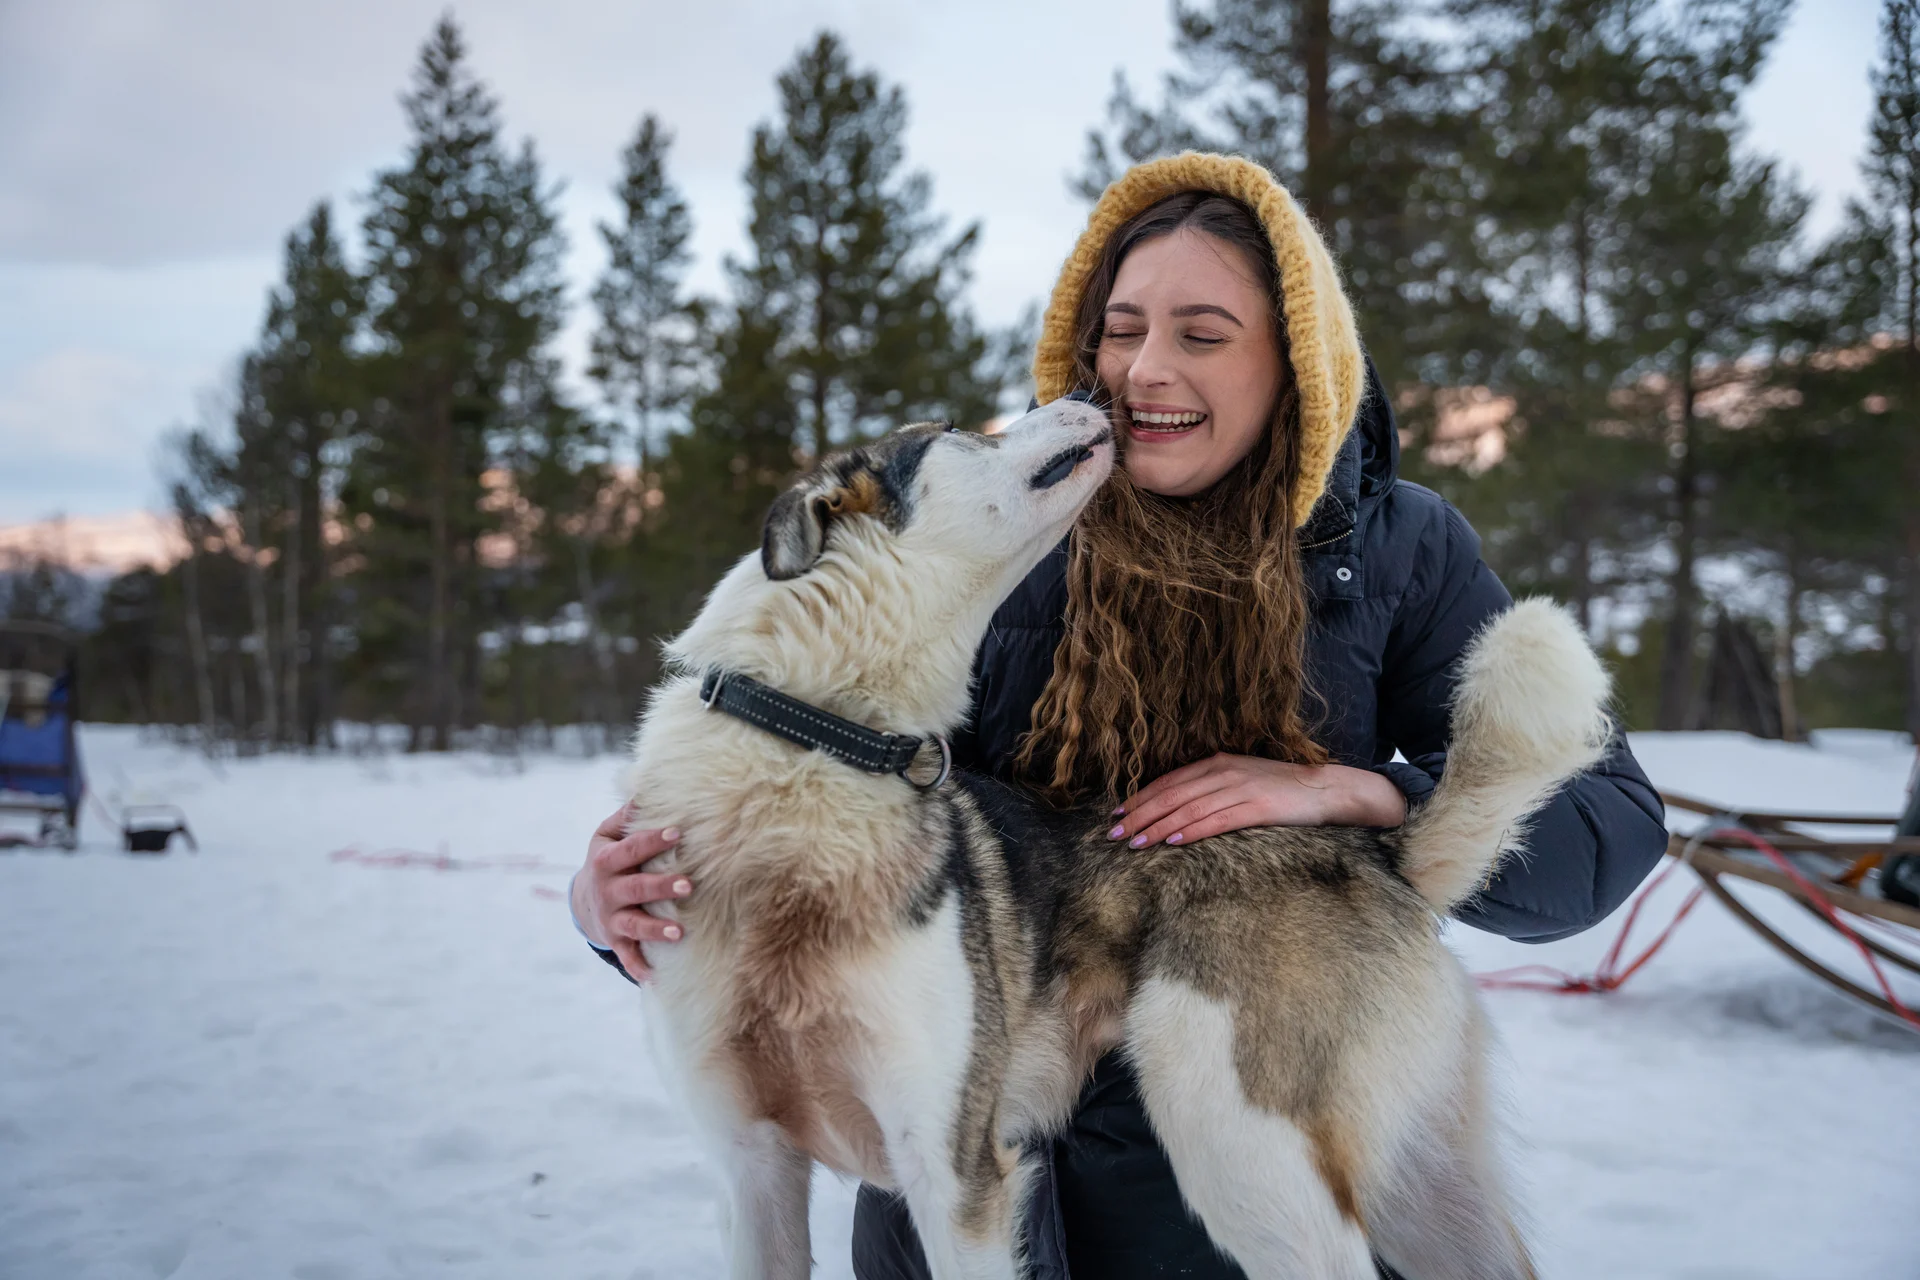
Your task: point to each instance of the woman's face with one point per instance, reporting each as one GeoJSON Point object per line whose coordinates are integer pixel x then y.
{"type": "Point", "coordinates": [1190, 358]}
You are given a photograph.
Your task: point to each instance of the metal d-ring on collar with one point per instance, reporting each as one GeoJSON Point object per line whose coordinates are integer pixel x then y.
{"type": "Point", "coordinates": [806, 725]}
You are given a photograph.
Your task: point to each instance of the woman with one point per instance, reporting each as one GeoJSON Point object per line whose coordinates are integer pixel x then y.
{"type": "Point", "coordinates": [1249, 619]}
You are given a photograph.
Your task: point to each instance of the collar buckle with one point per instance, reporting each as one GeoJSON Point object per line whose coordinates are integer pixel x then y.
{"type": "Point", "coordinates": [946, 766]}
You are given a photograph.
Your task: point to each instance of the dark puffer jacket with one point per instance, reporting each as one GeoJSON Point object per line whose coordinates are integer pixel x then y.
{"type": "Point", "coordinates": [1399, 588]}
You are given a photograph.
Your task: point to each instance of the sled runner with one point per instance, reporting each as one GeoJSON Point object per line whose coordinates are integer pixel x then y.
{"type": "Point", "coordinates": [1854, 887]}
{"type": "Point", "coordinates": [39, 759]}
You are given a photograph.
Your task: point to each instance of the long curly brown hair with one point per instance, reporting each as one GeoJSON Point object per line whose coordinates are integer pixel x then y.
{"type": "Point", "coordinates": [1186, 617]}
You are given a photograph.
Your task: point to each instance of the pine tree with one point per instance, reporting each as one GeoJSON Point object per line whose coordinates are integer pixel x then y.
{"type": "Point", "coordinates": [1712, 237]}
{"type": "Point", "coordinates": [39, 587]}
{"type": "Point", "coordinates": [1885, 231]}
{"type": "Point", "coordinates": [557, 517]}
{"type": "Point", "coordinates": [1359, 111]}
{"type": "Point", "coordinates": [1564, 93]}
{"type": "Point", "coordinates": [849, 263]}
{"type": "Point", "coordinates": [1792, 500]}
{"type": "Point", "coordinates": [309, 375]}
{"type": "Point", "coordinates": [646, 348]}
{"type": "Point", "coordinates": [463, 286]}
{"type": "Point", "coordinates": [196, 477]}
{"type": "Point", "coordinates": [719, 477]}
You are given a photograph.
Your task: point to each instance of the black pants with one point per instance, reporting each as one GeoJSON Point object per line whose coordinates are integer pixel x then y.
{"type": "Point", "coordinates": [1110, 1210]}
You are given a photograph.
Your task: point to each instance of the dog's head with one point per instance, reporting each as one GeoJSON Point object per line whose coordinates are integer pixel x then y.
{"type": "Point", "coordinates": [891, 557]}
{"type": "Point", "coordinates": [935, 493]}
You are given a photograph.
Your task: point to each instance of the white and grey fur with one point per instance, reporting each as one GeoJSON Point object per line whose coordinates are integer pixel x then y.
{"type": "Point", "coordinates": [907, 985]}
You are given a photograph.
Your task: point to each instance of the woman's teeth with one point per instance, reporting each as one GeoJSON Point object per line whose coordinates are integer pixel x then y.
{"type": "Point", "coordinates": [1167, 421]}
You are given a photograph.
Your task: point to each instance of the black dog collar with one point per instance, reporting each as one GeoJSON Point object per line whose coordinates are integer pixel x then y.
{"type": "Point", "coordinates": [808, 726]}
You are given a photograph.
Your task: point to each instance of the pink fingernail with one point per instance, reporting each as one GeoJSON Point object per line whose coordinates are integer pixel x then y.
{"type": "Point", "coordinates": [672, 932]}
{"type": "Point", "coordinates": [1117, 812]}
{"type": "Point", "coordinates": [683, 887]}
{"type": "Point", "coordinates": [1116, 833]}
{"type": "Point", "coordinates": [1175, 838]}
{"type": "Point", "coordinates": [670, 834]}
{"type": "Point", "coordinates": [1138, 842]}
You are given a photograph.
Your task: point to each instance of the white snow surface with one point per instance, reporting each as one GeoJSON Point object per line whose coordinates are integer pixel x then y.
{"type": "Point", "coordinates": [259, 1061]}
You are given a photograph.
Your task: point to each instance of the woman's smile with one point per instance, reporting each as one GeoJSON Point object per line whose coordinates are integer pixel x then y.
{"type": "Point", "coordinates": [1159, 424]}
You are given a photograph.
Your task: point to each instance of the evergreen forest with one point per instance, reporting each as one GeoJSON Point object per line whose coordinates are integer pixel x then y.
{"type": "Point", "coordinates": [1609, 336]}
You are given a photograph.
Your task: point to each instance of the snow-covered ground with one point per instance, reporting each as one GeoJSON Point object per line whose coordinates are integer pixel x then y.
{"type": "Point", "coordinates": [262, 1061]}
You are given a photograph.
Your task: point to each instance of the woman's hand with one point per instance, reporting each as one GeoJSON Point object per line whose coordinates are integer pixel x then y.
{"type": "Point", "coordinates": [1228, 793]}
{"type": "Point", "coordinates": [610, 892]}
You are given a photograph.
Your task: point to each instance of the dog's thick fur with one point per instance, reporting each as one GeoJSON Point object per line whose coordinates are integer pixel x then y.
{"type": "Point", "coordinates": [906, 984]}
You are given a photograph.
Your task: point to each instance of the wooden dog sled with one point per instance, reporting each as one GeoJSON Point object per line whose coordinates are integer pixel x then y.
{"type": "Point", "coordinates": [1838, 882]}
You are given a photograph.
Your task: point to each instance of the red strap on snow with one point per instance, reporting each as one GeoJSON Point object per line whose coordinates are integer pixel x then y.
{"type": "Point", "coordinates": [440, 860]}
{"type": "Point", "coordinates": [1611, 974]}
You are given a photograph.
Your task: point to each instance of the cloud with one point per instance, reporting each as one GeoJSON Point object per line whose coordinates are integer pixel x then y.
{"type": "Point", "coordinates": [78, 429]}
{"type": "Point", "coordinates": [141, 133]}
{"type": "Point", "coordinates": [96, 363]}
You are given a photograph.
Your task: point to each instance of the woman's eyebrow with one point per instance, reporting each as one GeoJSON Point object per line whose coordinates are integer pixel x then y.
{"type": "Point", "coordinates": [1191, 309]}
{"type": "Point", "coordinates": [1207, 309]}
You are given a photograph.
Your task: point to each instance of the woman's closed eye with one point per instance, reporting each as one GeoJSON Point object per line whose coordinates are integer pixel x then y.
{"type": "Point", "coordinates": [1134, 335]}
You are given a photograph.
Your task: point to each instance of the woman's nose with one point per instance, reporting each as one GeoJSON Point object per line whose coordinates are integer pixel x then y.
{"type": "Point", "coordinates": [1153, 364]}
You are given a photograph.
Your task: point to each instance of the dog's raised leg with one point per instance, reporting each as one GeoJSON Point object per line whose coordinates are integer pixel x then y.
{"type": "Point", "coordinates": [1438, 1216]}
{"type": "Point", "coordinates": [768, 1183]}
{"type": "Point", "coordinates": [966, 1210]}
{"type": "Point", "coordinates": [1440, 1208]}
{"type": "Point", "coordinates": [1249, 1174]}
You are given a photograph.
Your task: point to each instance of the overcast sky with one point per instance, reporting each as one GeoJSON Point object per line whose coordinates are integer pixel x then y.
{"type": "Point", "coordinates": [153, 156]}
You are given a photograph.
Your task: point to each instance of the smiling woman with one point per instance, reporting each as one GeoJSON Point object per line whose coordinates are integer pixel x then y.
{"type": "Point", "coordinates": [1181, 331]}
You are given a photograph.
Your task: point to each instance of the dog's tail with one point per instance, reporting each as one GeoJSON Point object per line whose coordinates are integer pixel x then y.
{"type": "Point", "coordinates": [1529, 713]}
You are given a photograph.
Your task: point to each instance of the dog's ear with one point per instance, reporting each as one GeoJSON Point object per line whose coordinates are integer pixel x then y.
{"type": "Point", "coordinates": [796, 530]}
{"type": "Point", "coordinates": [794, 535]}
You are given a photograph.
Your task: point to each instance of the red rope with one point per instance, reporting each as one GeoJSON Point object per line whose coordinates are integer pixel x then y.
{"type": "Point", "coordinates": [1827, 910]}
{"type": "Point", "coordinates": [440, 860]}
{"type": "Point", "coordinates": [1610, 975]}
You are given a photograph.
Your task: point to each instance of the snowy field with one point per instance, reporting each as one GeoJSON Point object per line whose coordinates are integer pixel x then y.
{"type": "Point", "coordinates": [264, 1061]}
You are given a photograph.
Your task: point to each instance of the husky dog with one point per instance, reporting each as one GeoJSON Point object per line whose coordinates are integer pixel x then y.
{"type": "Point", "coordinates": [907, 977]}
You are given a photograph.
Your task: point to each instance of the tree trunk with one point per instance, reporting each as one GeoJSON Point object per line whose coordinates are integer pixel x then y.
{"type": "Point", "coordinates": [1783, 647]}
{"type": "Point", "coordinates": [290, 574]}
{"type": "Point", "coordinates": [603, 714]}
{"type": "Point", "coordinates": [316, 713]}
{"type": "Point", "coordinates": [1676, 661]}
{"type": "Point", "coordinates": [822, 335]}
{"type": "Point", "coordinates": [1583, 579]}
{"type": "Point", "coordinates": [1316, 39]}
{"type": "Point", "coordinates": [262, 636]}
{"type": "Point", "coordinates": [440, 605]}
{"type": "Point", "coordinates": [237, 711]}
{"type": "Point", "coordinates": [1910, 607]}
{"type": "Point", "coordinates": [1911, 405]}
{"type": "Point", "coordinates": [197, 645]}
{"type": "Point", "coordinates": [1580, 513]}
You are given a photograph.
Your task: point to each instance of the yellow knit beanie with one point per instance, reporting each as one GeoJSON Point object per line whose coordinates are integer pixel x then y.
{"type": "Point", "coordinates": [1327, 366]}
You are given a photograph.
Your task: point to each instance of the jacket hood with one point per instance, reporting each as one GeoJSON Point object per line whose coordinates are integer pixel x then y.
{"type": "Point", "coordinates": [1324, 345]}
